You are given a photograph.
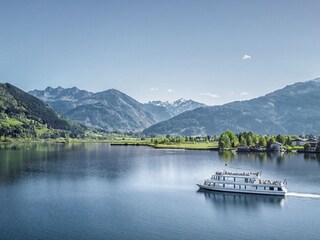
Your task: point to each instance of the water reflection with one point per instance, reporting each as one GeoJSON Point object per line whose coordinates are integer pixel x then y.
{"type": "Point", "coordinates": [227, 155]}
{"type": "Point", "coordinates": [22, 159]}
{"type": "Point", "coordinates": [262, 157]}
{"type": "Point", "coordinates": [73, 160]}
{"type": "Point", "coordinates": [244, 201]}
{"type": "Point", "coordinates": [87, 191]}
{"type": "Point", "coordinates": [256, 156]}
{"type": "Point", "coordinates": [312, 156]}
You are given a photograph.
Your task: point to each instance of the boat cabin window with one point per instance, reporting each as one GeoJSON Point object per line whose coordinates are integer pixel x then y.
{"type": "Point", "coordinates": [271, 188]}
{"type": "Point", "coordinates": [279, 189]}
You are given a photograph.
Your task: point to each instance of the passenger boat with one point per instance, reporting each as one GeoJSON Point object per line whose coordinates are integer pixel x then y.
{"type": "Point", "coordinates": [246, 182]}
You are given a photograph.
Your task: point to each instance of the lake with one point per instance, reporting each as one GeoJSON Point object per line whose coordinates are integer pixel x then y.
{"type": "Point", "coordinates": [97, 191]}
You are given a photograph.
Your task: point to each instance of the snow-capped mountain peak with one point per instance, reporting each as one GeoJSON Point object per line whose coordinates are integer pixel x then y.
{"type": "Point", "coordinates": [164, 110]}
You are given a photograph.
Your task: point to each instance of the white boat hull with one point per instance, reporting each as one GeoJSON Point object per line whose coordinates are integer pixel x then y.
{"type": "Point", "coordinates": [234, 190]}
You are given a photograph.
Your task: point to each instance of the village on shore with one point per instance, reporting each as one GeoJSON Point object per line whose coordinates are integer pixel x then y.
{"type": "Point", "coordinates": [227, 141]}
{"type": "Point", "coordinates": [250, 142]}
{"type": "Point", "coordinates": [309, 145]}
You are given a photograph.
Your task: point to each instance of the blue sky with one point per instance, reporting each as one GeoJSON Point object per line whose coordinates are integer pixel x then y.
{"type": "Point", "coordinates": [211, 51]}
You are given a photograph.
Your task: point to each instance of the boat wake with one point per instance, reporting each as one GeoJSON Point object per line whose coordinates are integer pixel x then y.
{"type": "Point", "coordinates": [303, 195]}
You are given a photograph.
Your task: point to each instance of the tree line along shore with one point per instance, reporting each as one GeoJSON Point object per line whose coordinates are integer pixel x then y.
{"type": "Point", "coordinates": [244, 141]}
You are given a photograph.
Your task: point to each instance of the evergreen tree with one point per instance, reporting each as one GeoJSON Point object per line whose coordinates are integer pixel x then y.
{"type": "Point", "coordinates": [262, 142]}
{"type": "Point", "coordinates": [307, 146]}
{"type": "Point", "coordinates": [288, 141]}
{"type": "Point", "coordinates": [234, 141]}
{"type": "Point", "coordinates": [255, 139]}
{"type": "Point", "coordinates": [270, 141]}
{"type": "Point", "coordinates": [224, 141]}
{"type": "Point", "coordinates": [243, 141]}
{"type": "Point", "coordinates": [280, 139]}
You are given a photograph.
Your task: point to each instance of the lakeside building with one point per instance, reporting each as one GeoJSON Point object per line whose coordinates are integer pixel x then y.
{"type": "Point", "coordinates": [312, 145]}
{"type": "Point", "coordinates": [298, 142]}
{"type": "Point", "coordinates": [276, 147]}
{"type": "Point", "coordinates": [243, 148]}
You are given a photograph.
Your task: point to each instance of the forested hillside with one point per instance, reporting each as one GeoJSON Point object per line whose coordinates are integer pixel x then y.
{"type": "Point", "coordinates": [293, 110]}
{"type": "Point", "coordinates": [25, 116]}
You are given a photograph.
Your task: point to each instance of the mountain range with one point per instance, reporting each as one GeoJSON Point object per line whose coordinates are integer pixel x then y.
{"type": "Point", "coordinates": [294, 109]}
{"type": "Point", "coordinates": [165, 110]}
{"type": "Point", "coordinates": [110, 110]}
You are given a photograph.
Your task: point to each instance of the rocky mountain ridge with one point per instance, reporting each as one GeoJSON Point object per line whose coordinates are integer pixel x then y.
{"type": "Point", "coordinates": [110, 110]}
{"type": "Point", "coordinates": [294, 109]}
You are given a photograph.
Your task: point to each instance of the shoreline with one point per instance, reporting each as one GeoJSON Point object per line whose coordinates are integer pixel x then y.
{"type": "Point", "coordinates": [199, 148]}
{"type": "Point", "coordinates": [155, 146]}
{"type": "Point", "coordinates": [160, 146]}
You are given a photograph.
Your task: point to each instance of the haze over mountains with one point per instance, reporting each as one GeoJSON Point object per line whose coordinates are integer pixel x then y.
{"type": "Point", "coordinates": [294, 109]}
{"type": "Point", "coordinates": [111, 110]}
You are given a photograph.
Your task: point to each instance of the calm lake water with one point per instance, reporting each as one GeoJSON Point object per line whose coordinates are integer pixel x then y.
{"type": "Point", "coordinates": [98, 191]}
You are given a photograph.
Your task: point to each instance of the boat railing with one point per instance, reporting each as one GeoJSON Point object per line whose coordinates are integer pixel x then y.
{"type": "Point", "coordinates": [269, 182]}
{"type": "Point", "coordinates": [255, 181]}
{"type": "Point", "coordinates": [256, 174]}
{"type": "Point", "coordinates": [252, 177]}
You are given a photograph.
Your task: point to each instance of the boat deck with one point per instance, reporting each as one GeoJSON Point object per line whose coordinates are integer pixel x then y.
{"type": "Point", "coordinates": [246, 182]}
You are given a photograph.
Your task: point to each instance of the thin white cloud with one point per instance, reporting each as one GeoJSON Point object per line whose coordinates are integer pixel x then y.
{"type": "Point", "coordinates": [212, 95]}
{"type": "Point", "coordinates": [244, 94]}
{"type": "Point", "coordinates": [231, 94]}
{"type": "Point", "coordinates": [246, 57]}
{"type": "Point", "coordinates": [154, 89]}
{"type": "Point", "coordinates": [170, 90]}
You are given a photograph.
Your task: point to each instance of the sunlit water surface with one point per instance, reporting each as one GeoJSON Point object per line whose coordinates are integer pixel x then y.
{"type": "Point", "coordinates": [98, 191]}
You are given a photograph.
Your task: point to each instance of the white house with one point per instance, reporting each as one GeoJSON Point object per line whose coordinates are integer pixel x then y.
{"type": "Point", "coordinates": [276, 146]}
{"type": "Point", "coordinates": [243, 148]}
{"type": "Point", "coordinates": [298, 142]}
{"type": "Point", "coordinates": [312, 145]}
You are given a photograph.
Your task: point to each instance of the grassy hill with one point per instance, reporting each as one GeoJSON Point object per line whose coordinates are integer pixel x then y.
{"type": "Point", "coordinates": [25, 116]}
